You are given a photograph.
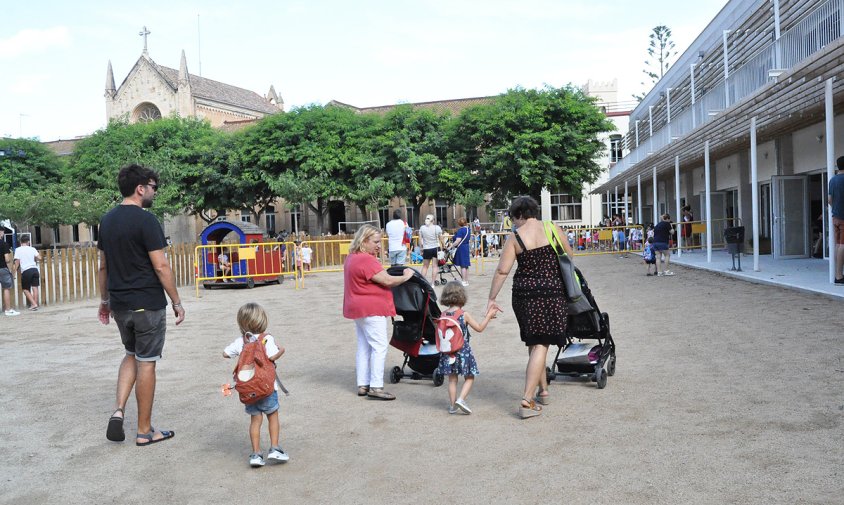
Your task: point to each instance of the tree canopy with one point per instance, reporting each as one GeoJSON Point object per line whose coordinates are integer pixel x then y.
{"type": "Point", "coordinates": [523, 141]}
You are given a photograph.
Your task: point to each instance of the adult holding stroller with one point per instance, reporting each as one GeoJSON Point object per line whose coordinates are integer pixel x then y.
{"type": "Point", "coordinates": [539, 297]}
{"type": "Point", "coordinates": [430, 234]}
{"type": "Point", "coordinates": [460, 244]}
{"type": "Point", "coordinates": [368, 300]}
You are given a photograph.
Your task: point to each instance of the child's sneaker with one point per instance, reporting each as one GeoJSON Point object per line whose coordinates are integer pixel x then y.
{"type": "Point", "coordinates": [277, 454]}
{"type": "Point", "coordinates": [453, 410]}
{"type": "Point", "coordinates": [12, 312]}
{"type": "Point", "coordinates": [461, 404]}
{"type": "Point", "coordinates": [256, 460]}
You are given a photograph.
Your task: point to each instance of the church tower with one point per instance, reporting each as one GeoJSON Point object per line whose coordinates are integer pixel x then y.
{"type": "Point", "coordinates": [184, 97]}
{"type": "Point", "coordinates": [110, 90]}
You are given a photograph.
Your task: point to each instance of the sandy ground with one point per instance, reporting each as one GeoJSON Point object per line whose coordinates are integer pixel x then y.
{"type": "Point", "coordinates": [725, 392]}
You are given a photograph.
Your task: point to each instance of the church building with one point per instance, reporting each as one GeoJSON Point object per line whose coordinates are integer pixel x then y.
{"type": "Point", "coordinates": [151, 91]}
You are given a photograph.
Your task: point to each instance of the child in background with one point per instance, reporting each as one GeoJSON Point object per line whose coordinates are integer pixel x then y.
{"type": "Point", "coordinates": [454, 297]}
{"type": "Point", "coordinates": [306, 252]}
{"type": "Point", "coordinates": [252, 321]}
{"type": "Point", "coordinates": [297, 258]}
{"type": "Point", "coordinates": [649, 255]}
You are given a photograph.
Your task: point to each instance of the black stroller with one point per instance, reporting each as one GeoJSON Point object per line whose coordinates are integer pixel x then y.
{"type": "Point", "coordinates": [577, 358]}
{"type": "Point", "coordinates": [414, 328]}
{"type": "Point", "coordinates": [446, 266]}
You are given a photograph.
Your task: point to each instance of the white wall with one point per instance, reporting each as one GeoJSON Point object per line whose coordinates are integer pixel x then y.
{"type": "Point", "coordinates": [809, 152]}
{"type": "Point", "coordinates": [766, 161]}
{"type": "Point", "coordinates": [727, 173]}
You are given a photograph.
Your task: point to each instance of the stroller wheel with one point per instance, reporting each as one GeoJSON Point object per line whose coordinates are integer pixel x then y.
{"type": "Point", "coordinates": [550, 375]}
{"type": "Point", "coordinates": [611, 366]}
{"type": "Point", "coordinates": [601, 378]}
{"type": "Point", "coordinates": [396, 374]}
{"type": "Point", "coordinates": [436, 282]}
{"type": "Point", "coordinates": [438, 379]}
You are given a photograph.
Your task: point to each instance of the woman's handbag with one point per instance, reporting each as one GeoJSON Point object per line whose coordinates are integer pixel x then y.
{"type": "Point", "coordinates": [577, 303]}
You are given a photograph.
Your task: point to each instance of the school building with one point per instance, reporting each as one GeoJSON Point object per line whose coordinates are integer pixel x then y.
{"type": "Point", "coordinates": [745, 128]}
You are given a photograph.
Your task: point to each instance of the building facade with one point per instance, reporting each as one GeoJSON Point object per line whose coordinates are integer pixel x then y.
{"type": "Point", "coordinates": [743, 127]}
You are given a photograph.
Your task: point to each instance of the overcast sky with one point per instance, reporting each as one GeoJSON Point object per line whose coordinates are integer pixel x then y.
{"type": "Point", "coordinates": [54, 54]}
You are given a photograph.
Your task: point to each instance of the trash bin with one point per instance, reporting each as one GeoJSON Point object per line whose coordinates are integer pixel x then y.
{"type": "Point", "coordinates": [734, 237]}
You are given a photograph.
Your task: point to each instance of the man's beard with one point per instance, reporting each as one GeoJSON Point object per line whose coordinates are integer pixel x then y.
{"type": "Point", "coordinates": [146, 203]}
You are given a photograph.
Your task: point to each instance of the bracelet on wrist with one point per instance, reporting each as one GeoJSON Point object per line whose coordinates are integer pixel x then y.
{"type": "Point", "coordinates": [104, 302]}
{"type": "Point", "coordinates": [177, 305]}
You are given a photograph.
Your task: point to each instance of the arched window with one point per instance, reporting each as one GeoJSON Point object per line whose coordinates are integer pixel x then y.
{"type": "Point", "coordinates": [146, 112]}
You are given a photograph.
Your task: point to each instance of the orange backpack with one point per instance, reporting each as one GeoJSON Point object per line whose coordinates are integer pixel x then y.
{"type": "Point", "coordinates": [254, 374]}
{"type": "Point", "coordinates": [450, 333]}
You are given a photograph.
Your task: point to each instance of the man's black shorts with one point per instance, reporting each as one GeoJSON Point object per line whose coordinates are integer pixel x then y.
{"type": "Point", "coordinates": [30, 278]}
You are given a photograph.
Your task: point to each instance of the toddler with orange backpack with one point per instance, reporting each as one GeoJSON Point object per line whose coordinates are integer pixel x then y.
{"type": "Point", "coordinates": [255, 379]}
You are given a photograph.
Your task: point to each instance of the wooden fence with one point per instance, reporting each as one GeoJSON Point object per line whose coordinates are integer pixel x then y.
{"type": "Point", "coordinates": [70, 274]}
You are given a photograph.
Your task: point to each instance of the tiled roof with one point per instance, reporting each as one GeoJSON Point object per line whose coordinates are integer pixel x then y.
{"type": "Point", "coordinates": [219, 91]}
{"type": "Point", "coordinates": [440, 106]}
{"type": "Point", "coordinates": [233, 126]}
{"type": "Point", "coordinates": [62, 147]}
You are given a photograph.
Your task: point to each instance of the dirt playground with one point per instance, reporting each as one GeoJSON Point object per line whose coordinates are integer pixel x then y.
{"type": "Point", "coordinates": [725, 392]}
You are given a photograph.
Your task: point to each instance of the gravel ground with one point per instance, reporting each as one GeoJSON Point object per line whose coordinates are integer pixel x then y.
{"type": "Point", "coordinates": [725, 392]}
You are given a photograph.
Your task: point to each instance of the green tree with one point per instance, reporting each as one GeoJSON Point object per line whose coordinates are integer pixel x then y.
{"type": "Point", "coordinates": [177, 148]}
{"type": "Point", "coordinates": [530, 139]}
{"type": "Point", "coordinates": [27, 164]}
{"type": "Point", "coordinates": [414, 146]}
{"type": "Point", "coordinates": [660, 52]}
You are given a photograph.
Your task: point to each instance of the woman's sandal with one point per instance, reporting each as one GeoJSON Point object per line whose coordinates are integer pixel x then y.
{"type": "Point", "coordinates": [543, 399]}
{"type": "Point", "coordinates": [531, 410]}
{"type": "Point", "coordinates": [115, 432]}
{"type": "Point", "coordinates": [379, 394]}
{"type": "Point", "coordinates": [165, 435]}
{"type": "Point", "coordinates": [362, 390]}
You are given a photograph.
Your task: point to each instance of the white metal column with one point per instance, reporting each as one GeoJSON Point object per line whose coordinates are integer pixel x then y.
{"type": "Point", "coordinates": [830, 163]}
{"type": "Point", "coordinates": [677, 206]}
{"type": "Point", "coordinates": [708, 202]}
{"type": "Point", "coordinates": [639, 199]}
{"type": "Point", "coordinates": [656, 196]}
{"type": "Point", "coordinates": [545, 198]}
{"type": "Point", "coordinates": [626, 214]}
{"type": "Point", "coordinates": [754, 192]}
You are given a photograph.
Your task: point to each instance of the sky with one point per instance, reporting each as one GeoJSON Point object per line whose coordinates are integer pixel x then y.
{"type": "Point", "coordinates": [54, 54]}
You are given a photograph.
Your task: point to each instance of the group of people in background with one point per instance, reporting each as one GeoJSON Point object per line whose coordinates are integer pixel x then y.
{"type": "Point", "coordinates": [24, 260]}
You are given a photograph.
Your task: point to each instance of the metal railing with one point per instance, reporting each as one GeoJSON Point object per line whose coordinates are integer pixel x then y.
{"type": "Point", "coordinates": [823, 25]}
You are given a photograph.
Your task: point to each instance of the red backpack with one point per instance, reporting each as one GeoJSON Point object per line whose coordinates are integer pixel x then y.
{"type": "Point", "coordinates": [450, 333]}
{"type": "Point", "coordinates": [260, 383]}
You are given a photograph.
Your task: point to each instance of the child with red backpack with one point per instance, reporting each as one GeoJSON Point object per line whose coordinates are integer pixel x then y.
{"type": "Point", "coordinates": [255, 379]}
{"type": "Point", "coordinates": [456, 357]}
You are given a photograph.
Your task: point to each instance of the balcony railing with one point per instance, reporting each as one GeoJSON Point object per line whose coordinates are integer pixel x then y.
{"type": "Point", "coordinates": [811, 34]}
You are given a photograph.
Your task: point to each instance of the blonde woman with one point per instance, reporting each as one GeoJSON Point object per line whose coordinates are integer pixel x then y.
{"type": "Point", "coordinates": [368, 300]}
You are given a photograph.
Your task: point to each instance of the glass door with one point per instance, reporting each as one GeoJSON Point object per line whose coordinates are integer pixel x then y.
{"type": "Point", "coordinates": [790, 216]}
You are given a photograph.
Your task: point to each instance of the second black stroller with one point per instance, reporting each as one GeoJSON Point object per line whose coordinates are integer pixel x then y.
{"type": "Point", "coordinates": [446, 266]}
{"type": "Point", "coordinates": [414, 328]}
{"type": "Point", "coordinates": [588, 349]}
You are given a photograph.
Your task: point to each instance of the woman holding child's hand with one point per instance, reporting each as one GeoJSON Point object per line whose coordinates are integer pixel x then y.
{"type": "Point", "coordinates": [368, 299]}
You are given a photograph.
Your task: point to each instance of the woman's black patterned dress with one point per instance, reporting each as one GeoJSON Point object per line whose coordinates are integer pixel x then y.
{"type": "Point", "coordinates": [539, 298]}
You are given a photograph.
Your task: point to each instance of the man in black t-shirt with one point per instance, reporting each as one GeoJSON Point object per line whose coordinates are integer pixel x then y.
{"type": "Point", "coordinates": [133, 277]}
{"type": "Point", "coordinates": [6, 279]}
{"type": "Point", "coordinates": [662, 238]}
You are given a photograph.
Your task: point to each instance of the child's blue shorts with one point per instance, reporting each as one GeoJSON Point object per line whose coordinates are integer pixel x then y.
{"type": "Point", "coordinates": [266, 406]}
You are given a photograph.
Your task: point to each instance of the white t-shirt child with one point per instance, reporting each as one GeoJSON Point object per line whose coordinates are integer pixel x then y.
{"type": "Point", "coordinates": [306, 255]}
{"type": "Point", "coordinates": [234, 349]}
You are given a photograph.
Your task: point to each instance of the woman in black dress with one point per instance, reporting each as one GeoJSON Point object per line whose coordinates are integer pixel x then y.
{"type": "Point", "coordinates": [539, 300]}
